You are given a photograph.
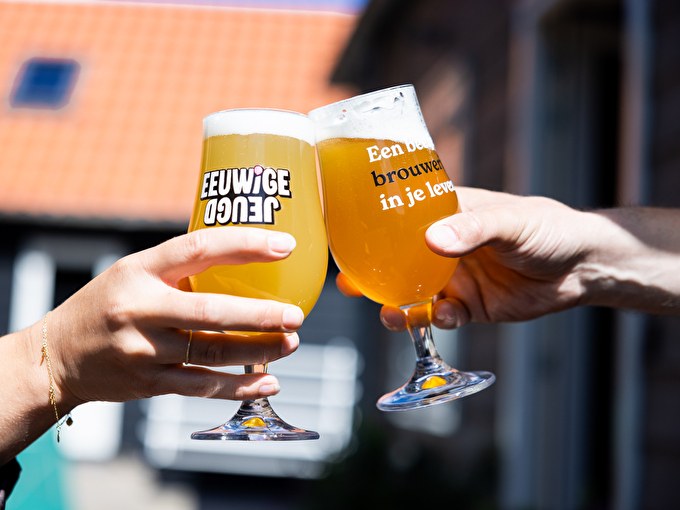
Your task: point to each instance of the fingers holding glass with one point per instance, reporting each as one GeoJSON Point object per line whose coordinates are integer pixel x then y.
{"type": "Point", "coordinates": [346, 286]}
{"type": "Point", "coordinates": [198, 250]}
{"type": "Point", "coordinates": [214, 349]}
{"type": "Point", "coordinates": [196, 381]}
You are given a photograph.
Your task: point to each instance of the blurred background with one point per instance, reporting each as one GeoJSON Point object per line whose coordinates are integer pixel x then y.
{"type": "Point", "coordinates": [100, 139]}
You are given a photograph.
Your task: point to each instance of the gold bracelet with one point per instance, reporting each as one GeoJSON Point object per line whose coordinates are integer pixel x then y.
{"type": "Point", "coordinates": [53, 399]}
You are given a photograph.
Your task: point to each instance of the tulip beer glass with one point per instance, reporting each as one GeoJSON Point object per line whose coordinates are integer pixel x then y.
{"type": "Point", "coordinates": [383, 186]}
{"type": "Point", "coordinates": [258, 169]}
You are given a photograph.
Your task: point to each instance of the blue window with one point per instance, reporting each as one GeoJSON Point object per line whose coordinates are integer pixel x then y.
{"type": "Point", "coordinates": [44, 83]}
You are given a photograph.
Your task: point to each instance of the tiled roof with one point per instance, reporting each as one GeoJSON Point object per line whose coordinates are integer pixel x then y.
{"type": "Point", "coordinates": [127, 145]}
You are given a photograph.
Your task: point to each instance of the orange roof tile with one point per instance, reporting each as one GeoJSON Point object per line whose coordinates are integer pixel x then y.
{"type": "Point", "coordinates": [128, 143]}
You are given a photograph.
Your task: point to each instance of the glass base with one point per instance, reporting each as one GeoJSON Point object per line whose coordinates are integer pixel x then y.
{"type": "Point", "coordinates": [434, 382]}
{"type": "Point", "coordinates": [255, 420]}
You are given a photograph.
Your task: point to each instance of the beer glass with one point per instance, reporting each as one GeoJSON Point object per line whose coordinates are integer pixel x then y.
{"type": "Point", "coordinates": [258, 169]}
{"type": "Point", "coordinates": [383, 186]}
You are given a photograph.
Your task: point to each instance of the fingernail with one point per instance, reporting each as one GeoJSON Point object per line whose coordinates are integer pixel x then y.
{"type": "Point", "coordinates": [292, 317]}
{"type": "Point", "coordinates": [281, 242]}
{"type": "Point", "coordinates": [441, 235]}
{"type": "Point", "coordinates": [445, 314]}
{"type": "Point", "coordinates": [290, 343]}
{"type": "Point", "coordinates": [269, 387]}
{"type": "Point", "coordinates": [388, 324]}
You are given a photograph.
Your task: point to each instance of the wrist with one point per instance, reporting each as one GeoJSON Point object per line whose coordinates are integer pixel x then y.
{"type": "Point", "coordinates": [53, 393]}
{"type": "Point", "coordinates": [24, 391]}
{"type": "Point", "coordinates": [624, 267]}
{"type": "Point", "coordinates": [31, 373]}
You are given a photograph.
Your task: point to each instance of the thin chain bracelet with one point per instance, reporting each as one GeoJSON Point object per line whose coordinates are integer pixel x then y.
{"type": "Point", "coordinates": [53, 399]}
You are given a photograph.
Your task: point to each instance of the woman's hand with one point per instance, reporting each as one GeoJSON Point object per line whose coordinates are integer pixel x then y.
{"type": "Point", "coordinates": [125, 334]}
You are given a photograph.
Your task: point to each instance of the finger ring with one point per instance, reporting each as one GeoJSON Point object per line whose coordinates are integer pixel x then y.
{"type": "Point", "coordinates": [186, 357]}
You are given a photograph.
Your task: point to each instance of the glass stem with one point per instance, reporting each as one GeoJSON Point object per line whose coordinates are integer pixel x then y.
{"type": "Point", "coordinates": [255, 406]}
{"type": "Point", "coordinates": [418, 321]}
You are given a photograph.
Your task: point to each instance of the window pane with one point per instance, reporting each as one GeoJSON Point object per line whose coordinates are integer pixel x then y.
{"type": "Point", "coordinates": [44, 83]}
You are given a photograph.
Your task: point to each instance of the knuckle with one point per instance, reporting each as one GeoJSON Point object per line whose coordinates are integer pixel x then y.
{"type": "Point", "coordinates": [196, 245]}
{"type": "Point", "coordinates": [252, 241]}
{"type": "Point", "coordinates": [204, 309]}
{"type": "Point", "coordinates": [239, 393]}
{"type": "Point", "coordinates": [542, 201]}
{"type": "Point", "coordinates": [215, 354]}
{"type": "Point", "coordinates": [117, 313]}
{"type": "Point", "coordinates": [128, 349]}
{"type": "Point", "coordinates": [474, 227]}
{"type": "Point", "coordinates": [153, 385]}
{"type": "Point", "coordinates": [269, 316]}
{"type": "Point", "coordinates": [209, 387]}
{"type": "Point", "coordinates": [119, 305]}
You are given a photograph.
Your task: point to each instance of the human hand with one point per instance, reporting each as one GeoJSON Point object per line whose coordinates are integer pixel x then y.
{"type": "Point", "coordinates": [124, 335]}
{"type": "Point", "coordinates": [518, 260]}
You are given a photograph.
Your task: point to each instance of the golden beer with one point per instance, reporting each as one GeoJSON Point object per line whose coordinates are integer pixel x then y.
{"type": "Point", "coordinates": [251, 180]}
{"type": "Point", "coordinates": [258, 169]}
{"type": "Point", "coordinates": [383, 186]}
{"type": "Point", "coordinates": [381, 246]}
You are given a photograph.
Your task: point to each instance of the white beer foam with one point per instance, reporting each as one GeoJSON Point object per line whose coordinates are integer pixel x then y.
{"type": "Point", "coordinates": [247, 121]}
{"type": "Point", "coordinates": [389, 114]}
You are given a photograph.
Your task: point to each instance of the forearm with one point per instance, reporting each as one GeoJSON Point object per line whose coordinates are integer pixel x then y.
{"type": "Point", "coordinates": [24, 392]}
{"type": "Point", "coordinates": [634, 260]}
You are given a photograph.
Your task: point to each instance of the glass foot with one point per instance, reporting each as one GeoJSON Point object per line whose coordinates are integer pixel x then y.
{"type": "Point", "coordinates": [255, 420]}
{"type": "Point", "coordinates": [434, 382]}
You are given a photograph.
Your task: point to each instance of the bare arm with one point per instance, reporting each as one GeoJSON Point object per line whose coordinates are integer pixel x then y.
{"type": "Point", "coordinates": [635, 262]}
{"type": "Point", "coordinates": [124, 335]}
{"type": "Point", "coordinates": [523, 257]}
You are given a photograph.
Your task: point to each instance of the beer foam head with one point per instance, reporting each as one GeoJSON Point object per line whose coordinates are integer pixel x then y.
{"type": "Point", "coordinates": [248, 121]}
{"type": "Point", "coordinates": [389, 114]}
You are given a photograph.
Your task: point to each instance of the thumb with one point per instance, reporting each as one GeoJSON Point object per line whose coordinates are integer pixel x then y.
{"type": "Point", "coordinates": [462, 233]}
